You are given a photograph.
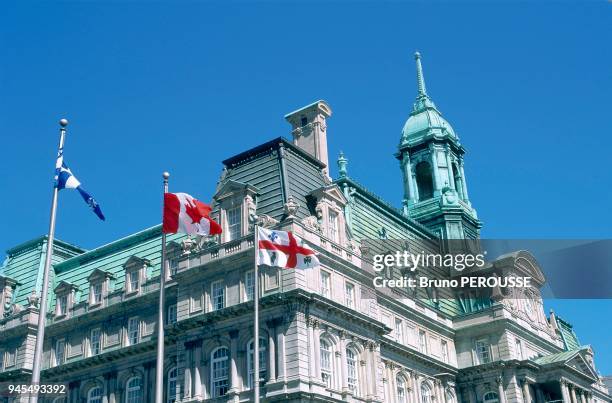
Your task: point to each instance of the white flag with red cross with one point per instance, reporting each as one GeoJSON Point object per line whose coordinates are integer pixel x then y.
{"type": "Point", "coordinates": [282, 249]}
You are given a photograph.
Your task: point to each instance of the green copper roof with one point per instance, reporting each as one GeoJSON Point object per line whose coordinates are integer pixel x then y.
{"type": "Point", "coordinates": [570, 340]}
{"type": "Point", "coordinates": [559, 357]}
{"type": "Point", "coordinates": [425, 119]}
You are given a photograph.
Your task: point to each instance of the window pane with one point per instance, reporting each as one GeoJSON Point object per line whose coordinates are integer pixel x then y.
{"type": "Point", "coordinates": [220, 372]}
{"type": "Point", "coordinates": [233, 223]}
{"type": "Point", "coordinates": [250, 285]}
{"type": "Point", "coordinates": [218, 296]}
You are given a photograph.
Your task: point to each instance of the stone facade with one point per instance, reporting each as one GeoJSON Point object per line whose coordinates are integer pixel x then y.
{"type": "Point", "coordinates": [326, 333]}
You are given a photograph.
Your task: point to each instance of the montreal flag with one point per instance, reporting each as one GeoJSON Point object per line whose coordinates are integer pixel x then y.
{"type": "Point", "coordinates": [282, 249]}
{"type": "Point", "coordinates": [184, 214]}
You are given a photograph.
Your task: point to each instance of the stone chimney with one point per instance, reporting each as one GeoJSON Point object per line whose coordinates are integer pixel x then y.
{"type": "Point", "coordinates": [309, 130]}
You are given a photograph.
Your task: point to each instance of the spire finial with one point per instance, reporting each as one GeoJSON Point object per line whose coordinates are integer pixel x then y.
{"type": "Point", "coordinates": [420, 78]}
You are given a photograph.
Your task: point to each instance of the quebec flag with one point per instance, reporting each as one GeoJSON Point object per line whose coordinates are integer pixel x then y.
{"type": "Point", "coordinates": [64, 179]}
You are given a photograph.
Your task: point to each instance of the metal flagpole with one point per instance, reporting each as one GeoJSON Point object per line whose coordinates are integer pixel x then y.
{"type": "Point", "coordinates": [256, 324]}
{"type": "Point", "coordinates": [42, 311]}
{"type": "Point", "coordinates": [159, 370]}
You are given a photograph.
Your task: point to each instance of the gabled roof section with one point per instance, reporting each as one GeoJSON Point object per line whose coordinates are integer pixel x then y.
{"type": "Point", "coordinates": [573, 359]}
{"type": "Point", "coordinates": [230, 187]}
{"type": "Point", "coordinates": [135, 261]}
{"type": "Point", "coordinates": [98, 274]}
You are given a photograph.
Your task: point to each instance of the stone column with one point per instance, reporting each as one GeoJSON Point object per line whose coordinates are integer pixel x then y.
{"type": "Point", "coordinates": [280, 337]}
{"type": "Point", "coordinates": [415, 187]}
{"type": "Point", "coordinates": [572, 389]}
{"type": "Point", "coordinates": [74, 389]}
{"type": "Point", "coordinates": [463, 181]}
{"type": "Point", "coordinates": [473, 395]}
{"type": "Point", "coordinates": [234, 360]}
{"type": "Point", "coordinates": [311, 348]}
{"type": "Point", "coordinates": [500, 388]}
{"type": "Point", "coordinates": [110, 386]}
{"type": "Point", "coordinates": [147, 394]}
{"type": "Point", "coordinates": [374, 353]}
{"type": "Point", "coordinates": [408, 186]}
{"type": "Point", "coordinates": [388, 383]}
{"type": "Point", "coordinates": [416, 387]}
{"type": "Point", "coordinates": [188, 379]}
{"type": "Point", "coordinates": [197, 370]}
{"type": "Point", "coordinates": [434, 169]}
{"type": "Point", "coordinates": [272, 351]}
{"type": "Point", "coordinates": [539, 395]}
{"type": "Point", "coordinates": [341, 359]}
{"type": "Point", "coordinates": [316, 334]}
{"type": "Point", "coordinates": [526, 394]}
{"type": "Point", "coordinates": [451, 175]}
{"type": "Point", "coordinates": [565, 391]}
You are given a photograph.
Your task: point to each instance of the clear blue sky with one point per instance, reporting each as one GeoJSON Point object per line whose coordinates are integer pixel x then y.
{"type": "Point", "coordinates": [179, 86]}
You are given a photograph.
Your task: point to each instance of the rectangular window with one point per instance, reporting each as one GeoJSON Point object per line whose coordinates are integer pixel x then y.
{"type": "Point", "coordinates": [444, 350]}
{"type": "Point", "coordinates": [95, 342]}
{"type": "Point", "coordinates": [133, 331]}
{"type": "Point", "coordinates": [96, 293]}
{"type": "Point", "coordinates": [350, 295]}
{"type": "Point", "coordinates": [519, 350]}
{"type": "Point", "coordinates": [171, 316]}
{"type": "Point", "coordinates": [333, 226]}
{"type": "Point", "coordinates": [482, 352]}
{"type": "Point", "coordinates": [173, 266]}
{"type": "Point", "coordinates": [60, 350]}
{"type": "Point", "coordinates": [234, 223]}
{"type": "Point", "coordinates": [10, 358]}
{"type": "Point", "coordinates": [325, 284]}
{"type": "Point", "coordinates": [422, 342]}
{"type": "Point", "coordinates": [133, 282]}
{"type": "Point", "coordinates": [218, 295]}
{"type": "Point", "coordinates": [196, 300]}
{"type": "Point", "coordinates": [249, 285]}
{"type": "Point", "coordinates": [399, 330]}
{"type": "Point", "coordinates": [62, 305]}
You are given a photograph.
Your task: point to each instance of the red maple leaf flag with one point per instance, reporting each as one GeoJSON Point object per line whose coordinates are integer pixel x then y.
{"type": "Point", "coordinates": [183, 213]}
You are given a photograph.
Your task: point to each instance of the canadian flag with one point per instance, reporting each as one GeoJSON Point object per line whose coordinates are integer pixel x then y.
{"type": "Point", "coordinates": [183, 213]}
{"type": "Point", "coordinates": [282, 249]}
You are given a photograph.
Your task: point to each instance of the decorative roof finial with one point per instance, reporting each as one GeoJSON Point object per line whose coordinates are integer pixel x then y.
{"type": "Point", "coordinates": [342, 164]}
{"type": "Point", "coordinates": [420, 78]}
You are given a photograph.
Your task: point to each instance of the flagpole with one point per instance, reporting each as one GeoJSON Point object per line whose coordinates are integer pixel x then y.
{"type": "Point", "coordinates": [159, 370]}
{"type": "Point", "coordinates": [256, 324]}
{"type": "Point", "coordinates": [42, 311]}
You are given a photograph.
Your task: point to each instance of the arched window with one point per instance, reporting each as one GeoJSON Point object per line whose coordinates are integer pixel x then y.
{"type": "Point", "coordinates": [326, 362]}
{"type": "Point", "coordinates": [424, 180]}
{"type": "Point", "coordinates": [402, 391]}
{"type": "Point", "coordinates": [94, 395]}
{"type": "Point", "coordinates": [262, 361]}
{"type": "Point", "coordinates": [490, 397]}
{"type": "Point", "coordinates": [426, 393]}
{"type": "Point", "coordinates": [133, 390]}
{"type": "Point", "coordinates": [171, 385]}
{"type": "Point", "coordinates": [219, 374]}
{"type": "Point", "coordinates": [351, 366]}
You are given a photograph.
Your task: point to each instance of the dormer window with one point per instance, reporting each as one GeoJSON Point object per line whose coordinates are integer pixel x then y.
{"type": "Point", "coordinates": [99, 285]}
{"type": "Point", "coordinates": [96, 293]}
{"type": "Point", "coordinates": [133, 281]}
{"type": "Point", "coordinates": [235, 203]}
{"type": "Point", "coordinates": [234, 223]}
{"type": "Point", "coordinates": [62, 305]}
{"type": "Point", "coordinates": [333, 226]}
{"type": "Point", "coordinates": [135, 274]}
{"type": "Point", "coordinates": [65, 295]}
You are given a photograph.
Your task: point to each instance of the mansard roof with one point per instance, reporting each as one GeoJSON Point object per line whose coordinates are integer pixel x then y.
{"type": "Point", "coordinates": [25, 263]}
{"type": "Point", "coordinates": [570, 340]}
{"type": "Point", "coordinates": [278, 170]}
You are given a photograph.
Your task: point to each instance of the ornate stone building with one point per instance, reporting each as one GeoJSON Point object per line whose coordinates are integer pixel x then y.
{"type": "Point", "coordinates": [326, 334]}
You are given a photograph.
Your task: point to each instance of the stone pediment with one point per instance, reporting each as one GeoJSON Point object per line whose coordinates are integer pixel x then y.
{"type": "Point", "coordinates": [232, 187]}
{"type": "Point", "coordinates": [99, 274]}
{"type": "Point", "coordinates": [64, 287]}
{"type": "Point", "coordinates": [135, 261]}
{"type": "Point", "coordinates": [580, 364]}
{"type": "Point", "coordinates": [523, 263]}
{"type": "Point", "coordinates": [573, 360]}
{"type": "Point", "coordinates": [331, 193]}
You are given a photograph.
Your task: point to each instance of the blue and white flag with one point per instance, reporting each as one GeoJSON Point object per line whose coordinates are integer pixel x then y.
{"type": "Point", "coordinates": [64, 179]}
